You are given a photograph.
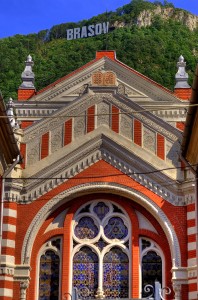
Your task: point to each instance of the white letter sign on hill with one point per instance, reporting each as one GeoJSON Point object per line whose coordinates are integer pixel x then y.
{"type": "Point", "coordinates": [87, 31]}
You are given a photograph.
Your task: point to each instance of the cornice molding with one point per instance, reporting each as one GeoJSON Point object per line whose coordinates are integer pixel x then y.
{"type": "Point", "coordinates": [137, 81]}
{"type": "Point", "coordinates": [81, 104]}
{"type": "Point", "coordinates": [99, 147]}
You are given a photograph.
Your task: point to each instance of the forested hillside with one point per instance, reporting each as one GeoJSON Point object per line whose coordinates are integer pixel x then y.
{"type": "Point", "coordinates": [151, 49]}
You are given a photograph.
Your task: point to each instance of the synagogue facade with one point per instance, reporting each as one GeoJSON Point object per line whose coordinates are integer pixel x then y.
{"type": "Point", "coordinates": [102, 204]}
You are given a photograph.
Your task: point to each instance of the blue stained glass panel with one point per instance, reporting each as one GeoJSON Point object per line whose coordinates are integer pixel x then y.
{"type": "Point", "coordinates": [86, 229]}
{"type": "Point", "coordinates": [101, 209]}
{"type": "Point", "coordinates": [151, 270]}
{"type": "Point", "coordinates": [49, 276]}
{"type": "Point", "coordinates": [115, 229]}
{"type": "Point", "coordinates": [85, 273]}
{"type": "Point", "coordinates": [116, 274]}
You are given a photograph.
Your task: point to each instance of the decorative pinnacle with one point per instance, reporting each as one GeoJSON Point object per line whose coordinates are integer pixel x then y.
{"type": "Point", "coordinates": [10, 114]}
{"type": "Point", "coordinates": [28, 75]}
{"type": "Point", "coordinates": [181, 75]}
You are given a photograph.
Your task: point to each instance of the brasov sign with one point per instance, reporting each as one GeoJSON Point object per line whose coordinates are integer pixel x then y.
{"type": "Point", "coordinates": [87, 31]}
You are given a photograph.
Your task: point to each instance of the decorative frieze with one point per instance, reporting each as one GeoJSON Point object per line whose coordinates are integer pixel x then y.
{"type": "Point", "coordinates": [149, 139]}
{"type": "Point", "coordinates": [126, 126]}
{"type": "Point", "coordinates": [84, 161]}
{"type": "Point", "coordinates": [79, 126]}
{"type": "Point", "coordinates": [56, 139]}
{"type": "Point", "coordinates": [103, 114]}
{"type": "Point", "coordinates": [33, 152]}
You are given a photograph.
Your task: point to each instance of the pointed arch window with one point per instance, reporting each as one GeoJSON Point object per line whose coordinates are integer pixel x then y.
{"type": "Point", "coordinates": [151, 262]}
{"type": "Point", "coordinates": [49, 271]}
{"type": "Point", "coordinates": [116, 274]}
{"type": "Point", "coordinates": [101, 250]}
{"type": "Point", "coordinates": [85, 272]}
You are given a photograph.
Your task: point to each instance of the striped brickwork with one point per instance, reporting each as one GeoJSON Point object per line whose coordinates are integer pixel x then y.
{"type": "Point", "coordinates": [8, 251]}
{"type": "Point", "coordinates": [191, 235]}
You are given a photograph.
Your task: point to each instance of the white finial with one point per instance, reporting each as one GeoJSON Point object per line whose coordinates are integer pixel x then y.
{"type": "Point", "coordinates": [181, 75]}
{"type": "Point", "coordinates": [29, 58]}
{"type": "Point", "coordinates": [181, 58]}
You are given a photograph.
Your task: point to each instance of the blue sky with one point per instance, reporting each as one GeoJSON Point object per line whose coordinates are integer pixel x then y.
{"type": "Point", "coordinates": [24, 17]}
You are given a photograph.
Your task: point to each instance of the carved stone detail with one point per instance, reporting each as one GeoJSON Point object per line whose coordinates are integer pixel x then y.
{"type": "Point", "coordinates": [79, 126]}
{"type": "Point", "coordinates": [7, 271]}
{"type": "Point", "coordinates": [33, 152]}
{"type": "Point", "coordinates": [86, 101]}
{"type": "Point", "coordinates": [121, 89]}
{"type": "Point", "coordinates": [103, 112]}
{"type": "Point", "coordinates": [177, 290]}
{"type": "Point", "coordinates": [97, 78]}
{"type": "Point", "coordinates": [56, 139]}
{"type": "Point", "coordinates": [81, 90]}
{"type": "Point", "coordinates": [131, 92]}
{"type": "Point", "coordinates": [23, 288]}
{"type": "Point", "coordinates": [149, 139]}
{"type": "Point", "coordinates": [87, 158]}
{"type": "Point", "coordinates": [126, 126]}
{"type": "Point", "coordinates": [107, 78]}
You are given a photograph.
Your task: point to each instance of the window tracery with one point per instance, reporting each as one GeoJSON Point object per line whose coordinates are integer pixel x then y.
{"type": "Point", "coordinates": [49, 271]}
{"type": "Point", "coordinates": [151, 264]}
{"type": "Point", "coordinates": [101, 235]}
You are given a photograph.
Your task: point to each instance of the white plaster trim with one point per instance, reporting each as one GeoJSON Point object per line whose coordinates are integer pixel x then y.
{"type": "Point", "coordinates": [191, 215]}
{"type": "Point", "coordinates": [6, 292]}
{"type": "Point", "coordinates": [193, 295]}
{"type": "Point", "coordinates": [93, 148]}
{"type": "Point", "coordinates": [191, 262]}
{"type": "Point", "coordinates": [9, 227]}
{"type": "Point", "coordinates": [7, 260]}
{"type": "Point", "coordinates": [77, 191]}
{"type": "Point", "coordinates": [57, 222]}
{"type": "Point", "coordinates": [144, 223]}
{"type": "Point", "coordinates": [191, 281]}
{"type": "Point", "coordinates": [191, 246]}
{"type": "Point", "coordinates": [7, 212]}
{"type": "Point", "coordinates": [6, 278]}
{"type": "Point", "coordinates": [191, 230]}
{"type": "Point", "coordinates": [8, 243]}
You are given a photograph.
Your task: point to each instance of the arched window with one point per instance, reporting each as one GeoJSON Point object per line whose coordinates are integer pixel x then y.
{"type": "Point", "coordinates": [151, 264]}
{"type": "Point", "coordinates": [101, 250]}
{"type": "Point", "coordinates": [116, 274]}
{"type": "Point", "coordinates": [85, 272]}
{"type": "Point", "coordinates": [49, 271]}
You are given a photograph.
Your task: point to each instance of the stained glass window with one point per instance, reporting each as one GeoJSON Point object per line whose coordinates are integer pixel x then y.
{"type": "Point", "coordinates": [106, 224]}
{"type": "Point", "coordinates": [116, 269]}
{"type": "Point", "coordinates": [101, 209]}
{"type": "Point", "coordinates": [115, 229]}
{"type": "Point", "coordinates": [151, 270]}
{"type": "Point", "coordinates": [49, 276]}
{"type": "Point", "coordinates": [101, 244]}
{"type": "Point", "coordinates": [86, 229]}
{"type": "Point", "coordinates": [85, 273]}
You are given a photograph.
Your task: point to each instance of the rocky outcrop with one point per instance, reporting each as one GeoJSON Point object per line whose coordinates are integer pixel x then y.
{"type": "Point", "coordinates": [146, 17]}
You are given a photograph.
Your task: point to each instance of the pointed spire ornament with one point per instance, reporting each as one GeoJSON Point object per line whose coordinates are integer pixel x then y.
{"type": "Point", "coordinates": [181, 75]}
{"type": "Point", "coordinates": [10, 114]}
{"type": "Point", "coordinates": [28, 75]}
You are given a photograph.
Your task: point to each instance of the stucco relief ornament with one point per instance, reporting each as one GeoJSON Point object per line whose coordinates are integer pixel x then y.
{"type": "Point", "coordinates": [23, 288]}
{"type": "Point", "coordinates": [177, 291]}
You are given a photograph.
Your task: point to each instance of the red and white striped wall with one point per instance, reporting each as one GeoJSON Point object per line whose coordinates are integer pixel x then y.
{"type": "Point", "coordinates": [8, 250]}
